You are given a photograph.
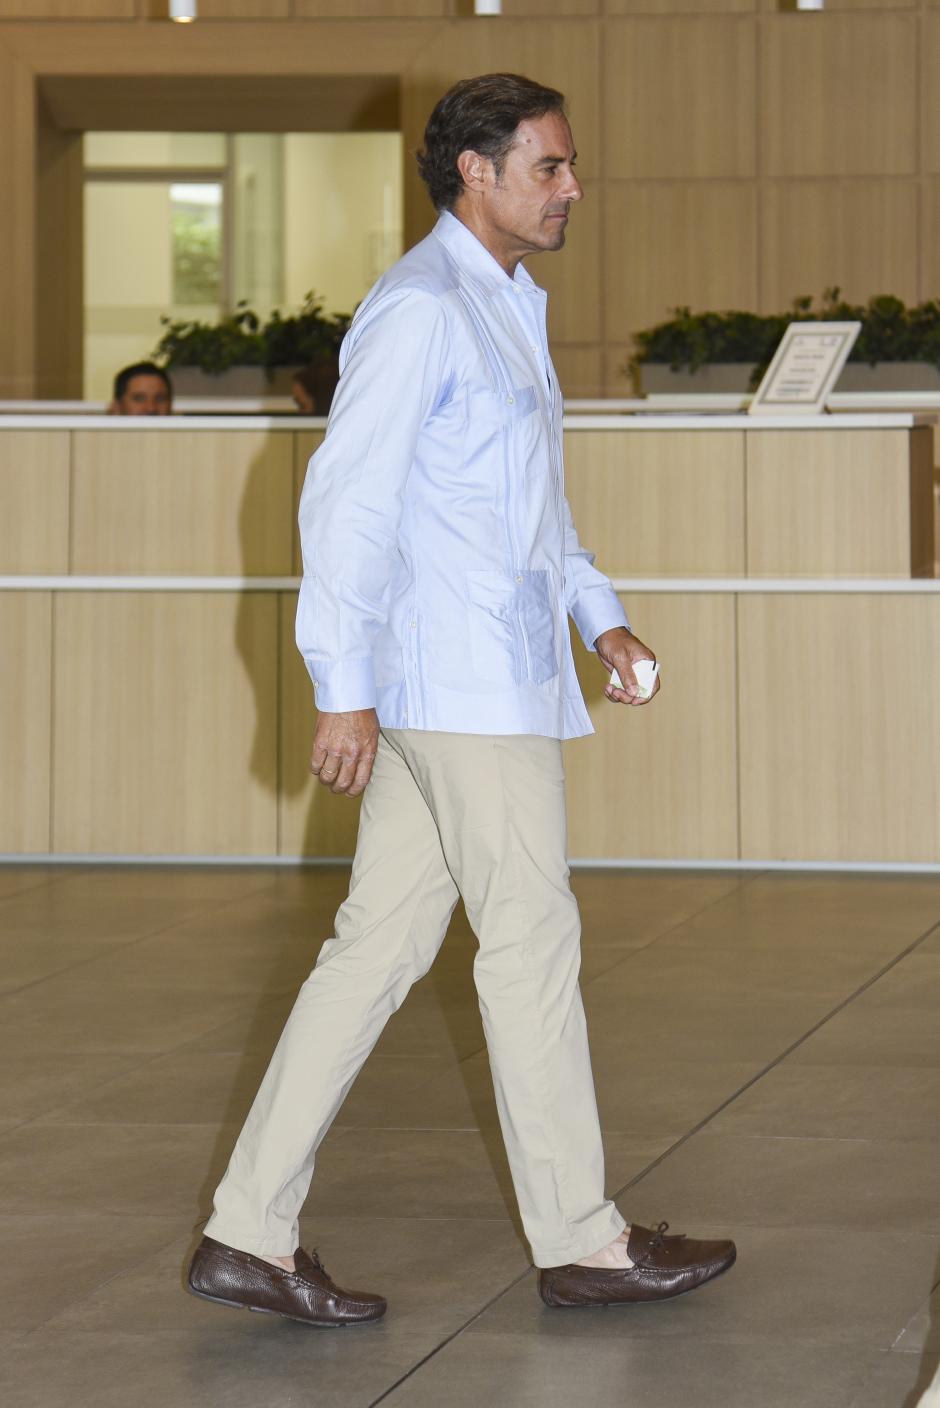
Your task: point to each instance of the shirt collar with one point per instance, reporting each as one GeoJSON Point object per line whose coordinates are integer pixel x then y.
{"type": "Point", "coordinates": [475, 260]}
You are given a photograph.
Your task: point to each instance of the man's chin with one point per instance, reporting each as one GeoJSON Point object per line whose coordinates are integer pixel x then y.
{"type": "Point", "coordinates": [555, 239]}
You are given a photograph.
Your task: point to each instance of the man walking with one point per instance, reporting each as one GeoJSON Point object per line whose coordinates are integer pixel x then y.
{"type": "Point", "coordinates": [440, 565]}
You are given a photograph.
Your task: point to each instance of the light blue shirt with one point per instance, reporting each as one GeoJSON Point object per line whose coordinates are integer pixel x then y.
{"type": "Point", "coordinates": [440, 558]}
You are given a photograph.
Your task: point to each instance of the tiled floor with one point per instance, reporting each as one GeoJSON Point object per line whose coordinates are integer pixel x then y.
{"type": "Point", "coordinates": [767, 1053]}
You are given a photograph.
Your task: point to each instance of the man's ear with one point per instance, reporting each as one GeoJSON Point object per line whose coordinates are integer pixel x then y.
{"type": "Point", "coordinates": [473, 169]}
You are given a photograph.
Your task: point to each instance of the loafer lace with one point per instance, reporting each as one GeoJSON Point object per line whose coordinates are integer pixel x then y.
{"type": "Point", "coordinates": [658, 1236]}
{"type": "Point", "coordinates": [656, 1242]}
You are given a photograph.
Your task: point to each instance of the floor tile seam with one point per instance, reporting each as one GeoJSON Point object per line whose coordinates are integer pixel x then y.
{"type": "Point", "coordinates": [449, 1339]}
{"type": "Point", "coordinates": [641, 948]}
{"type": "Point", "coordinates": [24, 890]}
{"type": "Point", "coordinates": [107, 1281]}
{"type": "Point", "coordinates": [150, 1057]}
{"type": "Point", "coordinates": [772, 1065]}
{"type": "Point", "coordinates": [707, 1340]}
{"type": "Point", "coordinates": [818, 1138]}
{"type": "Point", "coordinates": [363, 1124]}
{"type": "Point", "coordinates": [95, 1090]}
{"type": "Point", "coordinates": [924, 1305]}
{"type": "Point", "coordinates": [117, 946]}
{"type": "Point", "coordinates": [365, 1127]}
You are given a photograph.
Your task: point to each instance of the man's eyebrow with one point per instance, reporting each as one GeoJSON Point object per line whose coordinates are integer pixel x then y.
{"type": "Point", "coordinates": [555, 160]}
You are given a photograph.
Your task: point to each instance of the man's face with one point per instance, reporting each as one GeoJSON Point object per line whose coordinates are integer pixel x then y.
{"type": "Point", "coordinates": [526, 207]}
{"type": "Point", "coordinates": [145, 396]}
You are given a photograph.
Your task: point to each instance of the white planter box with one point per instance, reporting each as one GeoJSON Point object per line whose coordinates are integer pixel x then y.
{"type": "Point", "coordinates": [725, 378]}
{"type": "Point", "coordinates": [236, 381]}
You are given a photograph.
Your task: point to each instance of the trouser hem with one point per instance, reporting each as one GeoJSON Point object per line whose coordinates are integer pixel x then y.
{"type": "Point", "coordinates": [255, 1246]}
{"type": "Point", "coordinates": [600, 1233]}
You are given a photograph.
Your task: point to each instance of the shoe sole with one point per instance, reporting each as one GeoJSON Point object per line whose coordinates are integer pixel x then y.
{"type": "Point", "coordinates": [281, 1315]}
{"type": "Point", "coordinates": [632, 1304]}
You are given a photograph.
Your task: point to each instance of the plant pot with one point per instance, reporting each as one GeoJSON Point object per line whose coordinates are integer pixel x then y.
{"type": "Point", "coordinates": [255, 382]}
{"type": "Point", "coordinates": [889, 376]}
{"type": "Point", "coordinates": [712, 379]}
{"type": "Point", "coordinates": [727, 378]}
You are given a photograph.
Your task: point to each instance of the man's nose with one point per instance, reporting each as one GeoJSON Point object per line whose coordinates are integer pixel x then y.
{"type": "Point", "coordinates": [572, 188]}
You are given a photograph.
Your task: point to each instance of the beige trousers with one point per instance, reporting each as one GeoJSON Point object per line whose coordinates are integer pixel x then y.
{"type": "Point", "coordinates": [444, 814]}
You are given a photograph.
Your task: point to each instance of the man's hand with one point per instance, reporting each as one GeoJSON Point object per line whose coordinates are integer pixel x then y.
{"type": "Point", "coordinates": [617, 650]}
{"type": "Point", "coordinates": [344, 748]}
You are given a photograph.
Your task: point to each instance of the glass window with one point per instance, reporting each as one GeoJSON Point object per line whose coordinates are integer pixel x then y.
{"type": "Point", "coordinates": [196, 231]}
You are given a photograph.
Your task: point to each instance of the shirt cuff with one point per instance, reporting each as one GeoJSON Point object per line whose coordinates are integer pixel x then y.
{"type": "Point", "coordinates": [339, 686]}
{"type": "Point", "coordinates": [594, 618]}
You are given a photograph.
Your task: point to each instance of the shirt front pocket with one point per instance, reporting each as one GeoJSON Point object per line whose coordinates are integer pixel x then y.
{"type": "Point", "coordinates": [501, 407]}
{"type": "Point", "coordinates": [537, 617]}
{"type": "Point", "coordinates": [511, 627]}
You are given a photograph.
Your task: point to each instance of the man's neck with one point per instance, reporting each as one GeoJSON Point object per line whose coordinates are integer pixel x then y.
{"type": "Point", "coordinates": [507, 259]}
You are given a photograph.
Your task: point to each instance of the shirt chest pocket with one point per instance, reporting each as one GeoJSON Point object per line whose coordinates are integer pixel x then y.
{"type": "Point", "coordinates": [501, 408]}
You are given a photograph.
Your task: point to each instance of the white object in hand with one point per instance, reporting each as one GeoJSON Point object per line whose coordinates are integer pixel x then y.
{"type": "Point", "coordinates": [645, 672]}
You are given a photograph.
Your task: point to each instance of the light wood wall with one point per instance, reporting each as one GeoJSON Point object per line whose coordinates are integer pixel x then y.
{"type": "Point", "coordinates": [734, 154]}
{"type": "Point", "coordinates": [179, 721]}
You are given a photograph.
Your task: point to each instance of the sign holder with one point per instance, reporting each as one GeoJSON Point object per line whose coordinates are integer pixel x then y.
{"type": "Point", "coordinates": [804, 370]}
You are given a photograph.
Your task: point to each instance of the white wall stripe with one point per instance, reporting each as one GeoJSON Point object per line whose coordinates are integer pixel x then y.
{"type": "Point", "coordinates": [656, 420]}
{"type": "Point", "coordinates": [872, 867]}
{"type": "Point", "coordinates": [739, 586]}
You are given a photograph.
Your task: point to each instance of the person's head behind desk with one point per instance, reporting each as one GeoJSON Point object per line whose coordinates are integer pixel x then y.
{"type": "Point", "coordinates": [143, 389]}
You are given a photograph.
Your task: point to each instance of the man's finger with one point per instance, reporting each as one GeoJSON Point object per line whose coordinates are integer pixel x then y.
{"type": "Point", "coordinates": [329, 768]}
{"type": "Point", "coordinates": [318, 757]}
{"type": "Point", "coordinates": [344, 777]}
{"type": "Point", "coordinates": [363, 773]}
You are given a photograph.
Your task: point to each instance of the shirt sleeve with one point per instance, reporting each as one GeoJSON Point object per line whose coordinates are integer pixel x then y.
{"type": "Point", "coordinates": [591, 601]}
{"type": "Point", "coordinates": [392, 376]}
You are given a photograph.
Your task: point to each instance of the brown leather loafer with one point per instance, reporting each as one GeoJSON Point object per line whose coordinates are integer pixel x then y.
{"type": "Point", "coordinates": [664, 1267]}
{"type": "Point", "coordinates": [227, 1276]}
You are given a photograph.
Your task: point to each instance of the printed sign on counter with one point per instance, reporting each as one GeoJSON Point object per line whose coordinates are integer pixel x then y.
{"type": "Point", "coordinates": [805, 368]}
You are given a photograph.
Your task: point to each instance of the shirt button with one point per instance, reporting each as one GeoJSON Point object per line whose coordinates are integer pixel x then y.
{"type": "Point", "coordinates": [519, 577]}
{"type": "Point", "coordinates": [510, 400]}
{"type": "Point", "coordinates": [414, 625]}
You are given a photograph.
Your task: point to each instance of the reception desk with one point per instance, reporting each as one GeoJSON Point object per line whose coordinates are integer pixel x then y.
{"type": "Point", "coordinates": [152, 702]}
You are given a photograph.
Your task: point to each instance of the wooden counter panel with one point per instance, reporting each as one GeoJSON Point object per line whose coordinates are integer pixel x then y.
{"type": "Point", "coordinates": [25, 732]}
{"type": "Point", "coordinates": [844, 765]}
{"type": "Point", "coordinates": [651, 504]}
{"type": "Point", "coordinates": [312, 821]}
{"type": "Point", "coordinates": [660, 781]}
{"type": "Point", "coordinates": [821, 504]}
{"type": "Point", "coordinates": [34, 493]}
{"type": "Point", "coordinates": [189, 502]}
{"type": "Point", "coordinates": [166, 723]}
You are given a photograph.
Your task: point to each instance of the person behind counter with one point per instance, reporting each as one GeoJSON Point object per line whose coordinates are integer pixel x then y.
{"type": "Point", "coordinates": [143, 389]}
{"type": "Point", "coordinates": [313, 386]}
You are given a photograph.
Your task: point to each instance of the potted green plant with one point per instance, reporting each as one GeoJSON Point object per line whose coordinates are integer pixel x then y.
{"type": "Point", "coordinates": [241, 356]}
{"type": "Point", "coordinates": [898, 348]}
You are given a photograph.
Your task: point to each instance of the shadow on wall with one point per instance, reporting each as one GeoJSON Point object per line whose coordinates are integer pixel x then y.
{"type": "Point", "coordinates": [311, 820]}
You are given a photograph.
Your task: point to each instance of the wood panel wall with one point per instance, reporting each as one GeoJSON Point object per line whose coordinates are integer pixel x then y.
{"type": "Point", "coordinates": [734, 152]}
{"type": "Point", "coordinates": [180, 721]}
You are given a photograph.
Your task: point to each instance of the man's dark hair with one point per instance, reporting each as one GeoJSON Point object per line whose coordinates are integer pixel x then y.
{"type": "Point", "coordinates": [479, 115]}
{"type": "Point", "coordinates": [127, 374]}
